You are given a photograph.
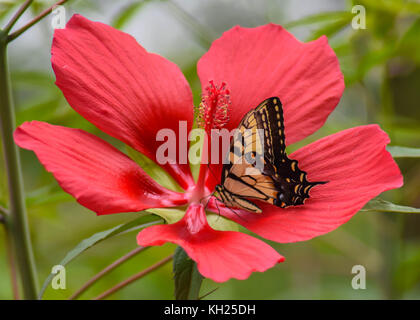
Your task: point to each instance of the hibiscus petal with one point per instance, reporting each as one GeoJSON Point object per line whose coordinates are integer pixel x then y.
{"type": "Point", "coordinates": [357, 167]}
{"type": "Point", "coordinates": [220, 255]}
{"type": "Point", "coordinates": [99, 176]}
{"type": "Point", "coordinates": [113, 82]}
{"type": "Point", "coordinates": [267, 61]}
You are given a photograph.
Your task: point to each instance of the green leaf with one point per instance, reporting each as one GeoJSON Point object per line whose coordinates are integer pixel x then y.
{"type": "Point", "coordinates": [380, 205]}
{"type": "Point", "coordinates": [95, 239]}
{"type": "Point", "coordinates": [403, 152]}
{"type": "Point", "coordinates": [187, 278]}
{"type": "Point", "coordinates": [55, 197]}
{"type": "Point", "coordinates": [203, 34]}
{"type": "Point", "coordinates": [32, 78]}
{"type": "Point", "coordinates": [46, 195]}
{"type": "Point", "coordinates": [331, 28]}
{"type": "Point", "coordinates": [170, 215]}
{"type": "Point", "coordinates": [394, 6]}
{"type": "Point", "coordinates": [409, 43]}
{"type": "Point", "coordinates": [127, 13]}
{"type": "Point", "coordinates": [6, 7]}
{"type": "Point", "coordinates": [216, 221]}
{"type": "Point", "coordinates": [153, 170]}
{"type": "Point", "coordinates": [372, 59]}
{"type": "Point", "coordinates": [319, 18]}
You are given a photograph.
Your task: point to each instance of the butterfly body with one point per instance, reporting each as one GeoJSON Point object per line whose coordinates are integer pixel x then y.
{"type": "Point", "coordinates": [258, 167]}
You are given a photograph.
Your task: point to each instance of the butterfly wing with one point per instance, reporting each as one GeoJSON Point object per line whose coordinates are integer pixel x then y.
{"type": "Point", "coordinates": [289, 179]}
{"type": "Point", "coordinates": [244, 181]}
{"type": "Point", "coordinates": [258, 166]}
{"type": "Point", "coordinates": [242, 177]}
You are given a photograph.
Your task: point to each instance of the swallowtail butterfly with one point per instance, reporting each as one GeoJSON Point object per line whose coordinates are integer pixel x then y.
{"type": "Point", "coordinates": [258, 167]}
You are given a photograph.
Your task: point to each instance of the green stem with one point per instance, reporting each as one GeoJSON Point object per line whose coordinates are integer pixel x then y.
{"type": "Point", "coordinates": [16, 221]}
{"type": "Point", "coordinates": [12, 265]}
{"type": "Point", "coordinates": [3, 212]}
{"type": "Point", "coordinates": [105, 271]}
{"type": "Point", "coordinates": [135, 277]}
{"type": "Point", "coordinates": [17, 15]}
{"type": "Point", "coordinates": [35, 20]}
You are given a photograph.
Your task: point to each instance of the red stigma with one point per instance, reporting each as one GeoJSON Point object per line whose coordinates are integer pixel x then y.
{"type": "Point", "coordinates": [213, 109]}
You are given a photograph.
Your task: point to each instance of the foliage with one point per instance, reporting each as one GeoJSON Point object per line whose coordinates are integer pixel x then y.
{"type": "Point", "coordinates": [381, 65]}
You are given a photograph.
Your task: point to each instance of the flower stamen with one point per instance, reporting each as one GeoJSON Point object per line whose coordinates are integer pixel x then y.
{"type": "Point", "coordinates": [213, 109]}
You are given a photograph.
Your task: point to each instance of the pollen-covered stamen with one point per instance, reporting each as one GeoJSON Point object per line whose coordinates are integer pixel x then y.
{"type": "Point", "coordinates": [214, 106]}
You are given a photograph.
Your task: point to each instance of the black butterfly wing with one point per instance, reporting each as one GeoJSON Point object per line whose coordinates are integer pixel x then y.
{"type": "Point", "coordinates": [269, 117]}
{"type": "Point", "coordinates": [258, 167]}
{"type": "Point", "coordinates": [289, 179]}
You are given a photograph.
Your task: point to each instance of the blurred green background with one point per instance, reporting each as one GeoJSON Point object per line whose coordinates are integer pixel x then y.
{"type": "Point", "coordinates": [381, 65]}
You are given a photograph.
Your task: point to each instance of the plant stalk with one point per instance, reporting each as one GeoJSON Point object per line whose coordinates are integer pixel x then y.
{"type": "Point", "coordinates": [16, 221]}
{"type": "Point", "coordinates": [105, 271]}
{"type": "Point", "coordinates": [17, 15]}
{"type": "Point", "coordinates": [135, 277]}
{"type": "Point", "coordinates": [34, 21]}
{"type": "Point", "coordinates": [12, 265]}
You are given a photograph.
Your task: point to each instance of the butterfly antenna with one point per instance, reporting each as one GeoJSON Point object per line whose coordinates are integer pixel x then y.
{"type": "Point", "coordinates": [209, 196]}
{"type": "Point", "coordinates": [217, 206]}
{"type": "Point", "coordinates": [214, 176]}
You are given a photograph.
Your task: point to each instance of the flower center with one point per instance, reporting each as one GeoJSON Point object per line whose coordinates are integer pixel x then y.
{"type": "Point", "coordinates": [213, 109]}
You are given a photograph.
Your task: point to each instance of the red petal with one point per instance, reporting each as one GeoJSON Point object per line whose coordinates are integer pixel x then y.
{"type": "Point", "coordinates": [357, 167]}
{"type": "Point", "coordinates": [113, 82]}
{"type": "Point", "coordinates": [100, 177]}
{"type": "Point", "coordinates": [268, 61]}
{"type": "Point", "coordinates": [220, 255]}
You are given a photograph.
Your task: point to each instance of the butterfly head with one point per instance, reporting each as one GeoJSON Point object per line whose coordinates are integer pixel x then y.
{"type": "Point", "coordinates": [218, 189]}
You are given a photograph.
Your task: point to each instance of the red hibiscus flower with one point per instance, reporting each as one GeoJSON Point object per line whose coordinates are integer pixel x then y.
{"type": "Point", "coordinates": [130, 94]}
